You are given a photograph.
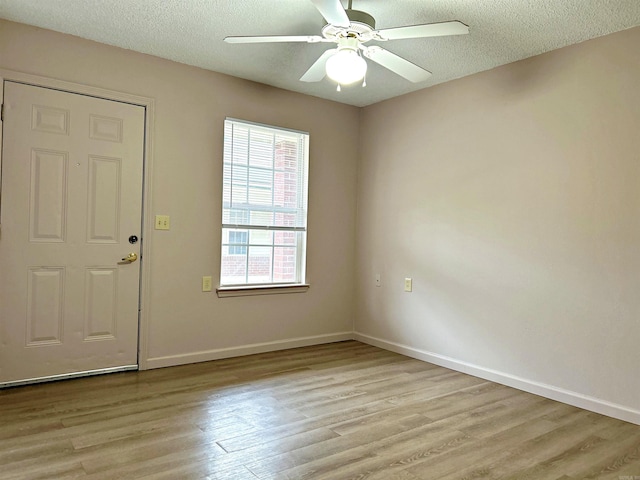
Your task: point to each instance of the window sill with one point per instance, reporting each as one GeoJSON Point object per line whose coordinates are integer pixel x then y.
{"type": "Point", "coordinates": [224, 292]}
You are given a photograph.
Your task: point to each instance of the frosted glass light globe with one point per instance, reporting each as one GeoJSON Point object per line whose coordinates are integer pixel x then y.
{"type": "Point", "coordinates": [346, 67]}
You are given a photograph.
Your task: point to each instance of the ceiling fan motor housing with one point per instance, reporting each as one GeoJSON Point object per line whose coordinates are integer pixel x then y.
{"type": "Point", "coordinates": [362, 27]}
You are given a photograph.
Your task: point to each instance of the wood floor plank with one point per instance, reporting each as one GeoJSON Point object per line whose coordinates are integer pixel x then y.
{"type": "Point", "coordinates": [328, 412]}
{"type": "Point", "coordinates": [336, 452]}
{"type": "Point", "coordinates": [471, 456]}
{"type": "Point", "coordinates": [615, 459]}
{"type": "Point", "coordinates": [136, 450]}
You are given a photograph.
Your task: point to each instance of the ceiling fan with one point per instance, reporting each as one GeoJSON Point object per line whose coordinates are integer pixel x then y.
{"type": "Point", "coordinates": [351, 30]}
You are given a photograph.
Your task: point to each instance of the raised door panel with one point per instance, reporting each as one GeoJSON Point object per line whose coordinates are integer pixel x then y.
{"type": "Point", "coordinates": [103, 215]}
{"type": "Point", "coordinates": [45, 307]}
{"type": "Point", "coordinates": [101, 298]}
{"type": "Point", "coordinates": [50, 119]}
{"type": "Point", "coordinates": [48, 196]}
{"type": "Point", "coordinates": [105, 128]}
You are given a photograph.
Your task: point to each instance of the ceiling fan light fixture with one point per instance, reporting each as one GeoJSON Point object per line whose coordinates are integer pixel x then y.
{"type": "Point", "coordinates": [346, 66]}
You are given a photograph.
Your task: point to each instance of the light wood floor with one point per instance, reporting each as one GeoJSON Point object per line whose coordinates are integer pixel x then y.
{"type": "Point", "coordinates": [339, 411]}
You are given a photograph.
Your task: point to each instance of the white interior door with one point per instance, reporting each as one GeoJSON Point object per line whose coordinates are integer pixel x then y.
{"type": "Point", "coordinates": [71, 198]}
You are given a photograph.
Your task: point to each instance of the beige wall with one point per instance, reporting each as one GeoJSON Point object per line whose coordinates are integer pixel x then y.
{"type": "Point", "coordinates": [512, 198]}
{"type": "Point", "coordinates": [191, 104]}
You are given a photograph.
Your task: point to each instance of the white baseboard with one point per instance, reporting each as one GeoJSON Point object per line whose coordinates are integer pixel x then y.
{"type": "Point", "coordinates": [548, 391]}
{"type": "Point", "coordinates": [208, 355]}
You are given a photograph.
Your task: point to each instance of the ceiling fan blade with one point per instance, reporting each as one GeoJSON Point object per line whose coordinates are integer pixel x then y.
{"type": "Point", "coordinates": [277, 38]}
{"type": "Point", "coordinates": [333, 12]}
{"type": "Point", "coordinates": [425, 30]}
{"type": "Point", "coordinates": [396, 64]}
{"type": "Point", "coordinates": [317, 71]}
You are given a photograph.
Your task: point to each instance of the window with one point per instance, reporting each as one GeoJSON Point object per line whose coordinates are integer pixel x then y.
{"type": "Point", "coordinates": [264, 205]}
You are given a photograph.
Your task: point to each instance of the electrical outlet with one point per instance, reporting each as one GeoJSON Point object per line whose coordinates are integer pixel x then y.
{"type": "Point", "coordinates": [206, 283]}
{"type": "Point", "coordinates": [378, 280]}
{"type": "Point", "coordinates": [162, 222]}
{"type": "Point", "coordinates": [408, 284]}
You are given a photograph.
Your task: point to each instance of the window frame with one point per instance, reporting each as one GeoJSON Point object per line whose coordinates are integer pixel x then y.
{"type": "Point", "coordinates": [302, 171]}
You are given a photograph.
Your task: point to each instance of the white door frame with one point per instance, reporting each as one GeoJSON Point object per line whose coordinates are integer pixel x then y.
{"type": "Point", "coordinates": [147, 219]}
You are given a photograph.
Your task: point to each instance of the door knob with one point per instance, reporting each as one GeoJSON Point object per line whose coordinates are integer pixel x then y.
{"type": "Point", "coordinates": [132, 257]}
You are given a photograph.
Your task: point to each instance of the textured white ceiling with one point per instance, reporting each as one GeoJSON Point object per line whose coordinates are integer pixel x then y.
{"type": "Point", "coordinates": [192, 32]}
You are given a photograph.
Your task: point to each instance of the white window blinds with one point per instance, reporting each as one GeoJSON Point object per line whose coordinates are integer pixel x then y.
{"type": "Point", "coordinates": [264, 212]}
{"type": "Point", "coordinates": [265, 177]}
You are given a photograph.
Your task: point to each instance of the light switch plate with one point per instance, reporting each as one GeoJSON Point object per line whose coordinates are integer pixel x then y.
{"type": "Point", "coordinates": [408, 284]}
{"type": "Point", "coordinates": [206, 283]}
{"type": "Point", "coordinates": [162, 222]}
